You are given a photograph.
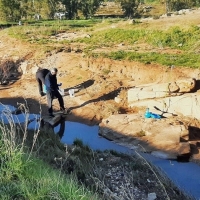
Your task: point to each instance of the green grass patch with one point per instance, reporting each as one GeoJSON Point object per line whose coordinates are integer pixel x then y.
{"type": "Point", "coordinates": [23, 176]}
{"type": "Point", "coordinates": [174, 38]}
{"type": "Point", "coordinates": [36, 180]}
{"type": "Point", "coordinates": [40, 32]}
{"type": "Point", "coordinates": [182, 60]}
{"type": "Point", "coordinates": [132, 36]}
{"type": "Point", "coordinates": [114, 36]}
{"type": "Point", "coordinates": [53, 26]}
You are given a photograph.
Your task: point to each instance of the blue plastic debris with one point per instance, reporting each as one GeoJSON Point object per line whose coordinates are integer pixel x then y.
{"type": "Point", "coordinates": [155, 116]}
{"type": "Point", "coordinates": [147, 113]}
{"type": "Point", "coordinates": [151, 115]}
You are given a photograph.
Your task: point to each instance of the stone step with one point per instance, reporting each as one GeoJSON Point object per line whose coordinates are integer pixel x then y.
{"type": "Point", "coordinates": [184, 152]}
{"type": "Point", "coordinates": [52, 120]}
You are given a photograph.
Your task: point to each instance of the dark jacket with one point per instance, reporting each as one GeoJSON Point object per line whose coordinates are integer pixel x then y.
{"type": "Point", "coordinates": [41, 74]}
{"type": "Point", "coordinates": [51, 82]}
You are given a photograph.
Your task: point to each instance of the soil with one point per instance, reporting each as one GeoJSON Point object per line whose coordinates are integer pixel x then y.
{"type": "Point", "coordinates": [96, 85]}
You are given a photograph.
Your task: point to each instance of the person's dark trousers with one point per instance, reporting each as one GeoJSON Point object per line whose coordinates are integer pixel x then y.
{"type": "Point", "coordinates": [40, 79]}
{"type": "Point", "coordinates": [50, 97]}
{"type": "Point", "coordinates": [39, 85]}
{"type": "Point", "coordinates": [60, 99]}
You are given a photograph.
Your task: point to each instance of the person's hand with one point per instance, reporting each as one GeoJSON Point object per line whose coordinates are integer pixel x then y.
{"type": "Point", "coordinates": [59, 84]}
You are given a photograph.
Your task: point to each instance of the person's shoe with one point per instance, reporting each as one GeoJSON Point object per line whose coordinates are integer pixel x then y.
{"type": "Point", "coordinates": [42, 94]}
{"type": "Point", "coordinates": [51, 115]}
{"type": "Point", "coordinates": [62, 109]}
{"type": "Point", "coordinates": [67, 111]}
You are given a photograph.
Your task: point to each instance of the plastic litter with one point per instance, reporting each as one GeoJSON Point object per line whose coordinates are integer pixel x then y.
{"type": "Point", "coordinates": [149, 114]}
{"type": "Point", "coordinates": [71, 92]}
{"type": "Point", "coordinates": [62, 92]}
{"type": "Point", "coordinates": [155, 116]}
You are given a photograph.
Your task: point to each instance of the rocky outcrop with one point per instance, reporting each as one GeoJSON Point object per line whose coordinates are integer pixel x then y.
{"type": "Point", "coordinates": [185, 105]}
{"type": "Point", "coordinates": [152, 91]}
{"type": "Point", "coordinates": [161, 137]}
{"type": "Point", "coordinates": [167, 99]}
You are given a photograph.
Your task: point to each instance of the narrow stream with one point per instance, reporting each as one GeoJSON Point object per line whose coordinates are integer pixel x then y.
{"type": "Point", "coordinates": [89, 135]}
{"type": "Point", "coordinates": [186, 176]}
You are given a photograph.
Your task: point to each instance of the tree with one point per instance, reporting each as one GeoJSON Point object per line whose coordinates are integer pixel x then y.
{"type": "Point", "coordinates": [129, 7]}
{"type": "Point", "coordinates": [175, 5]}
{"type": "Point", "coordinates": [52, 6]}
{"type": "Point", "coordinates": [89, 7]}
{"type": "Point", "coordinates": [10, 9]}
{"type": "Point", "coordinates": [18, 9]}
{"type": "Point", "coordinates": [27, 8]}
{"type": "Point", "coordinates": [71, 7]}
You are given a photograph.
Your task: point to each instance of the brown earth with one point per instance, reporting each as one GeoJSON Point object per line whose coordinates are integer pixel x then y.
{"type": "Point", "coordinates": [98, 83]}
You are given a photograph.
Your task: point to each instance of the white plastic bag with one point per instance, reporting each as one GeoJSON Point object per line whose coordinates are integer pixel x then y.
{"type": "Point", "coordinates": [61, 90]}
{"type": "Point", "coordinates": [71, 92]}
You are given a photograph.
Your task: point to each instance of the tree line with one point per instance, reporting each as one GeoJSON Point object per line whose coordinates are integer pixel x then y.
{"type": "Point", "coordinates": [14, 10]}
{"type": "Point", "coordinates": [175, 5]}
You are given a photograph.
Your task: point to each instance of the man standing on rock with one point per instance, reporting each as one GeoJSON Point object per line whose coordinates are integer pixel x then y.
{"type": "Point", "coordinates": [52, 90]}
{"type": "Point", "coordinates": [40, 77]}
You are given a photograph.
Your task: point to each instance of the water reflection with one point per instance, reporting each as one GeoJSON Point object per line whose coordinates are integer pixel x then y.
{"type": "Point", "coordinates": [69, 131]}
{"type": "Point", "coordinates": [7, 117]}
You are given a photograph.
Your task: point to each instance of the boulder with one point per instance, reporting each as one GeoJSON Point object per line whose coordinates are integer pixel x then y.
{"type": "Point", "coordinates": [184, 149]}
{"type": "Point", "coordinates": [186, 85]}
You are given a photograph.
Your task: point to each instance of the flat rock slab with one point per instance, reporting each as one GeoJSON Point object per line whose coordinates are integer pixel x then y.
{"type": "Point", "coordinates": [52, 120]}
{"type": "Point", "coordinates": [186, 105]}
{"type": "Point", "coordinates": [148, 135]}
{"type": "Point", "coordinates": [155, 90]}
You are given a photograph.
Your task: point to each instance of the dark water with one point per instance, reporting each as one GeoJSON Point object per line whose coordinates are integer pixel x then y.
{"type": "Point", "coordinates": [89, 136]}
{"type": "Point", "coordinates": [185, 175]}
{"type": "Point", "coordinates": [70, 130]}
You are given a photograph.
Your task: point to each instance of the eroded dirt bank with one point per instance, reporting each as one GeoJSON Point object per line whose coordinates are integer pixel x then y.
{"type": "Point", "coordinates": [100, 84]}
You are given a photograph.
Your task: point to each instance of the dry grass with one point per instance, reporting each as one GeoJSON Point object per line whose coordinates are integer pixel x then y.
{"type": "Point", "coordinates": [184, 21]}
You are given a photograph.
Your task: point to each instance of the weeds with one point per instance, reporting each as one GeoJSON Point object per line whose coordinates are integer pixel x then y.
{"type": "Point", "coordinates": [24, 176]}
{"type": "Point", "coordinates": [141, 133]}
{"type": "Point", "coordinates": [45, 29]}
{"type": "Point", "coordinates": [106, 71]}
{"type": "Point", "coordinates": [46, 169]}
{"type": "Point", "coordinates": [183, 40]}
{"type": "Point", "coordinates": [181, 60]}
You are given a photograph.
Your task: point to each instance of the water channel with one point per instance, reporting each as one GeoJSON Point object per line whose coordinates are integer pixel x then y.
{"type": "Point", "coordinates": [185, 175]}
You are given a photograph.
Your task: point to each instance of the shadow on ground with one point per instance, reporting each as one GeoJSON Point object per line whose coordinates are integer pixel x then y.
{"type": "Point", "coordinates": [83, 85]}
